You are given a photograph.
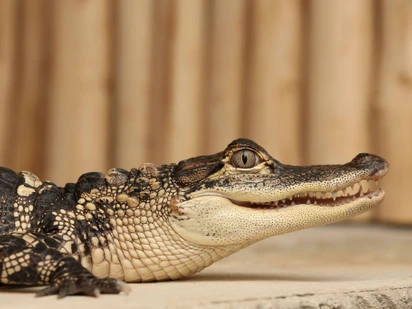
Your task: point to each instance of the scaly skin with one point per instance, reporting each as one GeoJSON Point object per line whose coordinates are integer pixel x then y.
{"type": "Point", "coordinates": [159, 223]}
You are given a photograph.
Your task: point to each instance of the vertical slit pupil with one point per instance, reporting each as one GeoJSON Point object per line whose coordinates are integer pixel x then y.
{"type": "Point", "coordinates": [244, 158]}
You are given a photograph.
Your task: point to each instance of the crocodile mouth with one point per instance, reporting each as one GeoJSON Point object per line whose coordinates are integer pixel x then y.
{"type": "Point", "coordinates": [364, 189]}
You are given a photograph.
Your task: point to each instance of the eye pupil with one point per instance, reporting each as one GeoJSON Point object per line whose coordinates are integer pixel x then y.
{"type": "Point", "coordinates": [244, 158]}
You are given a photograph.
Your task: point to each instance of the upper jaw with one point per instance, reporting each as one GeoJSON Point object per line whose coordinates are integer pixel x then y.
{"type": "Point", "coordinates": [321, 185]}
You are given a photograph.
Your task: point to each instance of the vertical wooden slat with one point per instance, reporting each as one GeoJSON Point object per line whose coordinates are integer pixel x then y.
{"type": "Point", "coordinates": [80, 90]}
{"type": "Point", "coordinates": [339, 81]}
{"type": "Point", "coordinates": [28, 106]}
{"type": "Point", "coordinates": [8, 37]}
{"type": "Point", "coordinates": [273, 78]}
{"type": "Point", "coordinates": [164, 25]}
{"type": "Point", "coordinates": [133, 82]}
{"type": "Point", "coordinates": [394, 110]}
{"type": "Point", "coordinates": [183, 135]}
{"type": "Point", "coordinates": [226, 72]}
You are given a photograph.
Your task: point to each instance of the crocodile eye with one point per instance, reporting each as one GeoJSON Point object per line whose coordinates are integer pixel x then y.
{"type": "Point", "coordinates": [245, 159]}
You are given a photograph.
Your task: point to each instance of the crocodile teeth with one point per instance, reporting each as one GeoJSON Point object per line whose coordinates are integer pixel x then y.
{"type": "Point", "coordinates": [334, 196]}
{"type": "Point", "coordinates": [308, 202]}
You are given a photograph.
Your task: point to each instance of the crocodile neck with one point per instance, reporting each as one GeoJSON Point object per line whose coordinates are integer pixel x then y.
{"type": "Point", "coordinates": [139, 243]}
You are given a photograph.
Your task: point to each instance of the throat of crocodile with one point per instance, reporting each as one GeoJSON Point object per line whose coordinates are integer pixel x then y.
{"type": "Point", "coordinates": [362, 189]}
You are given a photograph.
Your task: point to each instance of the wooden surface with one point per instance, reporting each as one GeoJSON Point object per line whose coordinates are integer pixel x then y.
{"type": "Point", "coordinates": [134, 58]}
{"type": "Point", "coordinates": [88, 85]}
{"type": "Point", "coordinates": [274, 73]}
{"type": "Point", "coordinates": [225, 71]}
{"type": "Point", "coordinates": [394, 107]}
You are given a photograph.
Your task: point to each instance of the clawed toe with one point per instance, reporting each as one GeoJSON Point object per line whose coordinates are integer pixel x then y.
{"type": "Point", "coordinates": [89, 286]}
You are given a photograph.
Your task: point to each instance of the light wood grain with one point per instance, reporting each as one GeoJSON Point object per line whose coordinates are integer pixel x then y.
{"type": "Point", "coordinates": [224, 95]}
{"type": "Point", "coordinates": [8, 85]}
{"type": "Point", "coordinates": [273, 82]}
{"type": "Point", "coordinates": [133, 82]}
{"type": "Point", "coordinates": [80, 90]}
{"type": "Point", "coordinates": [30, 107]}
{"type": "Point", "coordinates": [164, 27]}
{"type": "Point", "coordinates": [183, 135]}
{"type": "Point", "coordinates": [394, 110]}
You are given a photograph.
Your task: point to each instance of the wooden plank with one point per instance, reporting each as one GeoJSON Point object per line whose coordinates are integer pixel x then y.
{"type": "Point", "coordinates": [226, 73]}
{"type": "Point", "coordinates": [29, 106]}
{"type": "Point", "coordinates": [133, 82]}
{"type": "Point", "coordinates": [339, 80]}
{"type": "Point", "coordinates": [80, 89]}
{"type": "Point", "coordinates": [8, 37]}
{"type": "Point", "coordinates": [273, 82]}
{"type": "Point", "coordinates": [164, 25]}
{"type": "Point", "coordinates": [184, 131]}
{"type": "Point", "coordinates": [394, 110]}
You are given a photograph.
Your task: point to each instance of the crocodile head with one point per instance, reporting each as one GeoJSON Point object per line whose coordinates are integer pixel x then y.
{"type": "Point", "coordinates": [242, 195]}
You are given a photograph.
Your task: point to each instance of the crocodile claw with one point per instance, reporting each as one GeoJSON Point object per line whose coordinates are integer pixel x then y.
{"type": "Point", "coordinates": [87, 285]}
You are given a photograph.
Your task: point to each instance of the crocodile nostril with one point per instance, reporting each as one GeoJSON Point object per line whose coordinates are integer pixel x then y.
{"type": "Point", "coordinates": [377, 165]}
{"type": "Point", "coordinates": [366, 158]}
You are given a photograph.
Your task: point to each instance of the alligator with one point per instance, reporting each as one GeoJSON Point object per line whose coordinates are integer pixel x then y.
{"type": "Point", "coordinates": [168, 222]}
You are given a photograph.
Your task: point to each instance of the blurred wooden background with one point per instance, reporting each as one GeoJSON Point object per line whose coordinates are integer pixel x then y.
{"type": "Point", "coordinates": [88, 85]}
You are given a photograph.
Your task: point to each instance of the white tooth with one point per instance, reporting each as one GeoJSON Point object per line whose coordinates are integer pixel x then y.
{"type": "Point", "coordinates": [293, 203]}
{"type": "Point", "coordinates": [364, 186]}
{"type": "Point", "coordinates": [291, 198]}
{"type": "Point", "coordinates": [308, 202]}
{"type": "Point", "coordinates": [334, 195]}
{"type": "Point", "coordinates": [276, 203]}
{"type": "Point", "coordinates": [361, 194]}
{"type": "Point", "coordinates": [283, 201]}
{"type": "Point", "coordinates": [298, 195]}
{"type": "Point", "coordinates": [323, 195]}
{"type": "Point", "coordinates": [315, 203]}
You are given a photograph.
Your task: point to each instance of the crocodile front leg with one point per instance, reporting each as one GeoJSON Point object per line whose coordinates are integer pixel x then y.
{"type": "Point", "coordinates": [34, 259]}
